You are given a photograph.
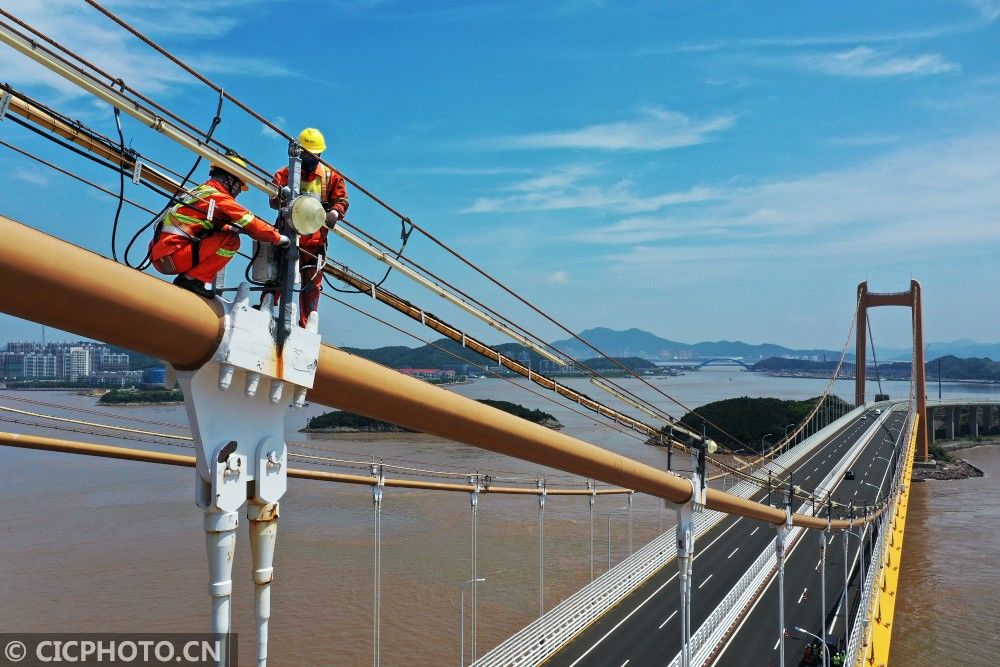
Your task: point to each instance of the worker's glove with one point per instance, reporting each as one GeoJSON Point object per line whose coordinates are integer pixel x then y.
{"type": "Point", "coordinates": [284, 241]}
{"type": "Point", "coordinates": [332, 217]}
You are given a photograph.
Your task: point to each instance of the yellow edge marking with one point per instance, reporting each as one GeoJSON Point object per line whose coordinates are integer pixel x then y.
{"type": "Point", "coordinates": [881, 607]}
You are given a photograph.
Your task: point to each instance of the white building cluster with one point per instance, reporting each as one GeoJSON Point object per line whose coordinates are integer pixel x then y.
{"type": "Point", "coordinates": [28, 360]}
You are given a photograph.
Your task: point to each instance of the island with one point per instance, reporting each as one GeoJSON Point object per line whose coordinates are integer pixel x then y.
{"type": "Point", "coordinates": [340, 421]}
{"type": "Point", "coordinates": [746, 421]}
{"type": "Point", "coordinates": [947, 368]}
{"type": "Point", "coordinates": [141, 396]}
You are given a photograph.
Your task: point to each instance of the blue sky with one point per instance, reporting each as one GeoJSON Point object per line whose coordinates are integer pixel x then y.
{"type": "Point", "coordinates": [700, 170]}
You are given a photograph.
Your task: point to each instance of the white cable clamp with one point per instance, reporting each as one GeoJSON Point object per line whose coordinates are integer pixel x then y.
{"type": "Point", "coordinates": [4, 103]}
{"type": "Point", "coordinates": [137, 172]}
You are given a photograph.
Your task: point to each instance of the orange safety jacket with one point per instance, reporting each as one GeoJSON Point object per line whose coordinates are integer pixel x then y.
{"type": "Point", "coordinates": [189, 217]}
{"type": "Point", "coordinates": [328, 187]}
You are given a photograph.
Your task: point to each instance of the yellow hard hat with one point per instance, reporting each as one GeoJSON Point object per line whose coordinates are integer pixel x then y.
{"type": "Point", "coordinates": [223, 165]}
{"type": "Point", "coordinates": [312, 140]}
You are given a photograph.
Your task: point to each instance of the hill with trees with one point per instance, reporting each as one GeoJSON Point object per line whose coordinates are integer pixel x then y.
{"type": "Point", "coordinates": [749, 420]}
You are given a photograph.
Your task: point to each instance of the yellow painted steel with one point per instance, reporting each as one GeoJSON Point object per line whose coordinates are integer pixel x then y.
{"type": "Point", "coordinates": [881, 610]}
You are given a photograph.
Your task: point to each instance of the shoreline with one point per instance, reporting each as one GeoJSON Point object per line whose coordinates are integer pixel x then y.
{"type": "Point", "coordinates": [956, 468]}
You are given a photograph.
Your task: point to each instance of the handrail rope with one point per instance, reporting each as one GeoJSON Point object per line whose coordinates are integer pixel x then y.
{"type": "Point", "coordinates": [92, 134]}
{"type": "Point", "coordinates": [147, 456]}
{"type": "Point", "coordinates": [483, 368]}
{"type": "Point", "coordinates": [190, 129]}
{"type": "Point", "coordinates": [66, 172]}
{"type": "Point", "coordinates": [535, 308]}
{"type": "Point", "coordinates": [193, 72]}
{"type": "Point", "coordinates": [357, 463]}
{"type": "Point", "coordinates": [74, 408]}
{"type": "Point", "coordinates": [71, 174]}
{"type": "Point", "coordinates": [113, 148]}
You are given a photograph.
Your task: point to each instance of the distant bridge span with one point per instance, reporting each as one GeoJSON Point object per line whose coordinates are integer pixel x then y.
{"type": "Point", "coordinates": [725, 361]}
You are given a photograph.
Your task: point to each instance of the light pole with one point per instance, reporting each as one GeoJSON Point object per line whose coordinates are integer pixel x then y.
{"type": "Point", "coordinates": [461, 618]}
{"type": "Point", "coordinates": [762, 443]}
{"type": "Point", "coordinates": [861, 571]}
{"type": "Point", "coordinates": [826, 651]}
{"type": "Point", "coordinates": [610, 516]}
{"type": "Point", "coordinates": [785, 438]}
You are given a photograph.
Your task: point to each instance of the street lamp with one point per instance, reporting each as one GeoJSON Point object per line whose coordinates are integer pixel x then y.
{"type": "Point", "coordinates": [461, 618]}
{"type": "Point", "coordinates": [762, 443]}
{"type": "Point", "coordinates": [826, 651]}
{"type": "Point", "coordinates": [878, 489]}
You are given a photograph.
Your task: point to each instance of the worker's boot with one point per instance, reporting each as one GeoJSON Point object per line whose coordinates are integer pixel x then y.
{"type": "Point", "coordinates": [193, 285]}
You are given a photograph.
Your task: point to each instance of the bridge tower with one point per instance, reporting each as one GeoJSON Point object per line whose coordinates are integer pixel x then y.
{"type": "Point", "coordinates": [911, 300]}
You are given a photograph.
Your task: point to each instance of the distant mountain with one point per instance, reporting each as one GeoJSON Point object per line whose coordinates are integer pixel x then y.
{"type": "Point", "coordinates": [639, 343]}
{"type": "Point", "coordinates": [952, 368]}
{"type": "Point", "coordinates": [964, 349]}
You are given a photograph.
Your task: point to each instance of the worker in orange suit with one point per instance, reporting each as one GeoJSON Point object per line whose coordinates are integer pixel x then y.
{"type": "Point", "coordinates": [325, 184]}
{"type": "Point", "coordinates": [200, 234]}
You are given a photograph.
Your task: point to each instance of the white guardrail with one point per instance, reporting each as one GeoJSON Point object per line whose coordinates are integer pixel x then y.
{"type": "Point", "coordinates": [544, 636]}
{"type": "Point", "coordinates": [718, 623]}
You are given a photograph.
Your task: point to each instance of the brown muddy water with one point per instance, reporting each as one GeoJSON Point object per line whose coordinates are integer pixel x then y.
{"type": "Point", "coordinates": [948, 610]}
{"type": "Point", "coordinates": [99, 545]}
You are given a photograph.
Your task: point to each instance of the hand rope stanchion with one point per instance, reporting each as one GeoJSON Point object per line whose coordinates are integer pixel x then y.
{"type": "Point", "coordinates": [592, 487]}
{"type": "Point", "coordinates": [379, 475]}
{"type": "Point", "coordinates": [628, 513]}
{"type": "Point", "coordinates": [847, 572]}
{"type": "Point", "coordinates": [241, 455]}
{"type": "Point", "coordinates": [686, 535]}
{"type": "Point", "coordinates": [541, 547]}
{"type": "Point", "coordinates": [824, 537]}
{"type": "Point", "coordinates": [476, 483]}
{"type": "Point", "coordinates": [780, 542]}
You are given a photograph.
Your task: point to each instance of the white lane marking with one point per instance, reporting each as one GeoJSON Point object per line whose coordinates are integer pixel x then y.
{"type": "Point", "coordinates": [734, 551]}
{"type": "Point", "coordinates": [818, 563]}
{"type": "Point", "coordinates": [755, 530]}
{"type": "Point", "coordinates": [668, 620]}
{"type": "Point", "coordinates": [652, 595]}
{"type": "Point", "coordinates": [803, 596]}
{"type": "Point", "coordinates": [808, 476]}
{"type": "Point", "coordinates": [706, 580]}
{"type": "Point", "coordinates": [776, 644]}
{"type": "Point", "coordinates": [626, 662]}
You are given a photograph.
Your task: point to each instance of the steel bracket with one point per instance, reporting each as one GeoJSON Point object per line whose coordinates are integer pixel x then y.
{"type": "Point", "coordinates": [239, 431]}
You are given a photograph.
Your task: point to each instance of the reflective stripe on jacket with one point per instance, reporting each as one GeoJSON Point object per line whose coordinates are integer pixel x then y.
{"type": "Point", "coordinates": [189, 217]}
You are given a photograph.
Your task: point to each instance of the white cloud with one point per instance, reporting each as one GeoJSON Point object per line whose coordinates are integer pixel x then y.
{"type": "Point", "coordinates": [989, 10]}
{"type": "Point", "coordinates": [557, 278]}
{"type": "Point", "coordinates": [866, 62]}
{"type": "Point", "coordinates": [867, 139]}
{"type": "Point", "coordinates": [110, 47]}
{"type": "Point", "coordinates": [581, 188]}
{"type": "Point", "coordinates": [921, 199]}
{"type": "Point", "coordinates": [265, 131]}
{"type": "Point", "coordinates": [653, 130]}
{"type": "Point", "coordinates": [31, 176]}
